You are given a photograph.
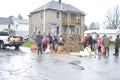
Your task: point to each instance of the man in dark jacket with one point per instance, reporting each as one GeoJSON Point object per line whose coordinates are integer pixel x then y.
{"type": "Point", "coordinates": [117, 45]}
{"type": "Point", "coordinates": [90, 41]}
{"type": "Point", "coordinates": [38, 40]}
{"type": "Point", "coordinates": [50, 38]}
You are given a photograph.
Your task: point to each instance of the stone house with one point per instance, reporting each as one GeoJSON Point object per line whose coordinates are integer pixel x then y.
{"type": "Point", "coordinates": [57, 18]}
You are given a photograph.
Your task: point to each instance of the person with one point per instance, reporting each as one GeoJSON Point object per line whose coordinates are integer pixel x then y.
{"type": "Point", "coordinates": [38, 40]}
{"type": "Point", "coordinates": [60, 39]}
{"type": "Point", "coordinates": [106, 43]}
{"type": "Point", "coordinates": [99, 41]}
{"type": "Point", "coordinates": [45, 43]}
{"type": "Point", "coordinates": [117, 45]}
{"type": "Point", "coordinates": [55, 43]}
{"type": "Point", "coordinates": [85, 40]}
{"type": "Point", "coordinates": [34, 35]}
{"type": "Point", "coordinates": [50, 38]}
{"type": "Point", "coordinates": [90, 41]}
{"type": "Point", "coordinates": [95, 45]}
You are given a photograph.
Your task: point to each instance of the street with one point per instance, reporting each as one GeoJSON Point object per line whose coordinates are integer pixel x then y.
{"type": "Point", "coordinates": [26, 65]}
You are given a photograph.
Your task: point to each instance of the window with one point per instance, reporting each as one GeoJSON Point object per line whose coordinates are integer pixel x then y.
{"type": "Point", "coordinates": [78, 30]}
{"type": "Point", "coordinates": [35, 29]}
{"type": "Point", "coordinates": [4, 34]}
{"type": "Point", "coordinates": [58, 15]}
{"type": "Point", "coordinates": [9, 26]}
{"type": "Point", "coordinates": [41, 15]}
{"type": "Point", "coordinates": [77, 17]}
{"type": "Point", "coordinates": [57, 29]}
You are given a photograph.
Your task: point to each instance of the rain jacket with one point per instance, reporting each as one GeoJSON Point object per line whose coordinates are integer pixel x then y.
{"type": "Point", "coordinates": [99, 41]}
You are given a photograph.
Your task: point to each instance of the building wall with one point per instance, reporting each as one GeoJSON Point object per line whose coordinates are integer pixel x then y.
{"type": "Point", "coordinates": [5, 26]}
{"type": "Point", "coordinates": [33, 21]}
{"type": "Point", "coordinates": [82, 24]}
{"type": "Point", "coordinates": [2, 27]}
{"type": "Point", "coordinates": [22, 27]}
{"type": "Point", "coordinates": [50, 17]}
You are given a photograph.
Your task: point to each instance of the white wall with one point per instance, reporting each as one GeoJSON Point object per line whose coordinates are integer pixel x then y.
{"type": "Point", "coordinates": [23, 27]}
{"type": "Point", "coordinates": [2, 27]}
{"type": "Point", "coordinates": [22, 30]}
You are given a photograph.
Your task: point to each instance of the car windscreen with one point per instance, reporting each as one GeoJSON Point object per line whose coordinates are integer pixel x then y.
{"type": "Point", "coordinates": [4, 34]}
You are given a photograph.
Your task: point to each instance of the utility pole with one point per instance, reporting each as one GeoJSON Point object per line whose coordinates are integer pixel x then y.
{"type": "Point", "coordinates": [68, 20]}
{"type": "Point", "coordinates": [44, 16]}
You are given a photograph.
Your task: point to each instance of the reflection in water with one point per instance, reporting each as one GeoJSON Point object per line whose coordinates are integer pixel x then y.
{"type": "Point", "coordinates": [116, 58]}
{"type": "Point", "coordinates": [106, 59]}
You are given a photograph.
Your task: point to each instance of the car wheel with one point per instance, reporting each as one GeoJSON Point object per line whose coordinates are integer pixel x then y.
{"type": "Point", "coordinates": [16, 47]}
{"type": "Point", "coordinates": [2, 45]}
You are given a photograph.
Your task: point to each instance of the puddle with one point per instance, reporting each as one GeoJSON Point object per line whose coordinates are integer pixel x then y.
{"type": "Point", "coordinates": [77, 65]}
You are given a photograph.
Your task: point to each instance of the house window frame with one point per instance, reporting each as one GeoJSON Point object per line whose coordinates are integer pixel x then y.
{"type": "Point", "coordinates": [77, 30]}
{"type": "Point", "coordinates": [77, 17]}
{"type": "Point", "coordinates": [35, 28]}
{"type": "Point", "coordinates": [41, 15]}
{"type": "Point", "coordinates": [58, 15]}
{"type": "Point", "coordinates": [57, 30]}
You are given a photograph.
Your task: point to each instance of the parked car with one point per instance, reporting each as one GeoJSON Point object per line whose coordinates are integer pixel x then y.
{"type": "Point", "coordinates": [8, 40]}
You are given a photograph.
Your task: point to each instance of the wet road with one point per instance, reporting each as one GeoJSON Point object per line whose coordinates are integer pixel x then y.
{"type": "Point", "coordinates": [24, 65]}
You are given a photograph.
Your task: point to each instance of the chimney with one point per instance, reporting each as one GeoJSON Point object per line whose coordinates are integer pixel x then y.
{"type": "Point", "coordinates": [59, 1]}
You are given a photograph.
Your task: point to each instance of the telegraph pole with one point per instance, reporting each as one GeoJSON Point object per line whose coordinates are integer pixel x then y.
{"type": "Point", "coordinates": [44, 16]}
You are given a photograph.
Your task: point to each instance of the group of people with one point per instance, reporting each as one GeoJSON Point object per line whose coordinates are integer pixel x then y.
{"type": "Point", "coordinates": [100, 45]}
{"type": "Point", "coordinates": [46, 43]}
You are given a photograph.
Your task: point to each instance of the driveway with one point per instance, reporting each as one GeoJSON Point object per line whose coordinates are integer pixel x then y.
{"type": "Point", "coordinates": [26, 65]}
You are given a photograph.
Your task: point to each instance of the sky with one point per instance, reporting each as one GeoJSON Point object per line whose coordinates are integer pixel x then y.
{"type": "Point", "coordinates": [95, 10]}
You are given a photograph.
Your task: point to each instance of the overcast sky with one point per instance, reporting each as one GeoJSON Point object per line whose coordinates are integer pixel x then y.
{"type": "Point", "coordinates": [95, 9]}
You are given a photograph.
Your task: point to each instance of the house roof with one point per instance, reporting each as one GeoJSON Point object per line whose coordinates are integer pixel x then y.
{"type": "Point", "coordinates": [55, 5]}
{"type": "Point", "coordinates": [6, 20]}
{"type": "Point", "coordinates": [12, 20]}
{"type": "Point", "coordinates": [20, 21]}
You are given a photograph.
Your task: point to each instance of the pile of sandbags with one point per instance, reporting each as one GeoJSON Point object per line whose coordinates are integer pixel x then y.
{"type": "Point", "coordinates": [72, 42]}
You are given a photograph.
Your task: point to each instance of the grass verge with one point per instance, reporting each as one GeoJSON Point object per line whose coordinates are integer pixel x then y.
{"type": "Point", "coordinates": [27, 43]}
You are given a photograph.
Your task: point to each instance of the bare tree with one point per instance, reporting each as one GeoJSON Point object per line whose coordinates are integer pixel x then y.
{"type": "Point", "coordinates": [94, 26]}
{"type": "Point", "coordinates": [113, 18]}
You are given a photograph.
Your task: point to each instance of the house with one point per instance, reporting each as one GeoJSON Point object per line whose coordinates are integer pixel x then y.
{"type": "Point", "coordinates": [6, 23]}
{"type": "Point", "coordinates": [19, 25]}
{"type": "Point", "coordinates": [110, 33]}
{"type": "Point", "coordinates": [57, 18]}
{"type": "Point", "coordinates": [22, 26]}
